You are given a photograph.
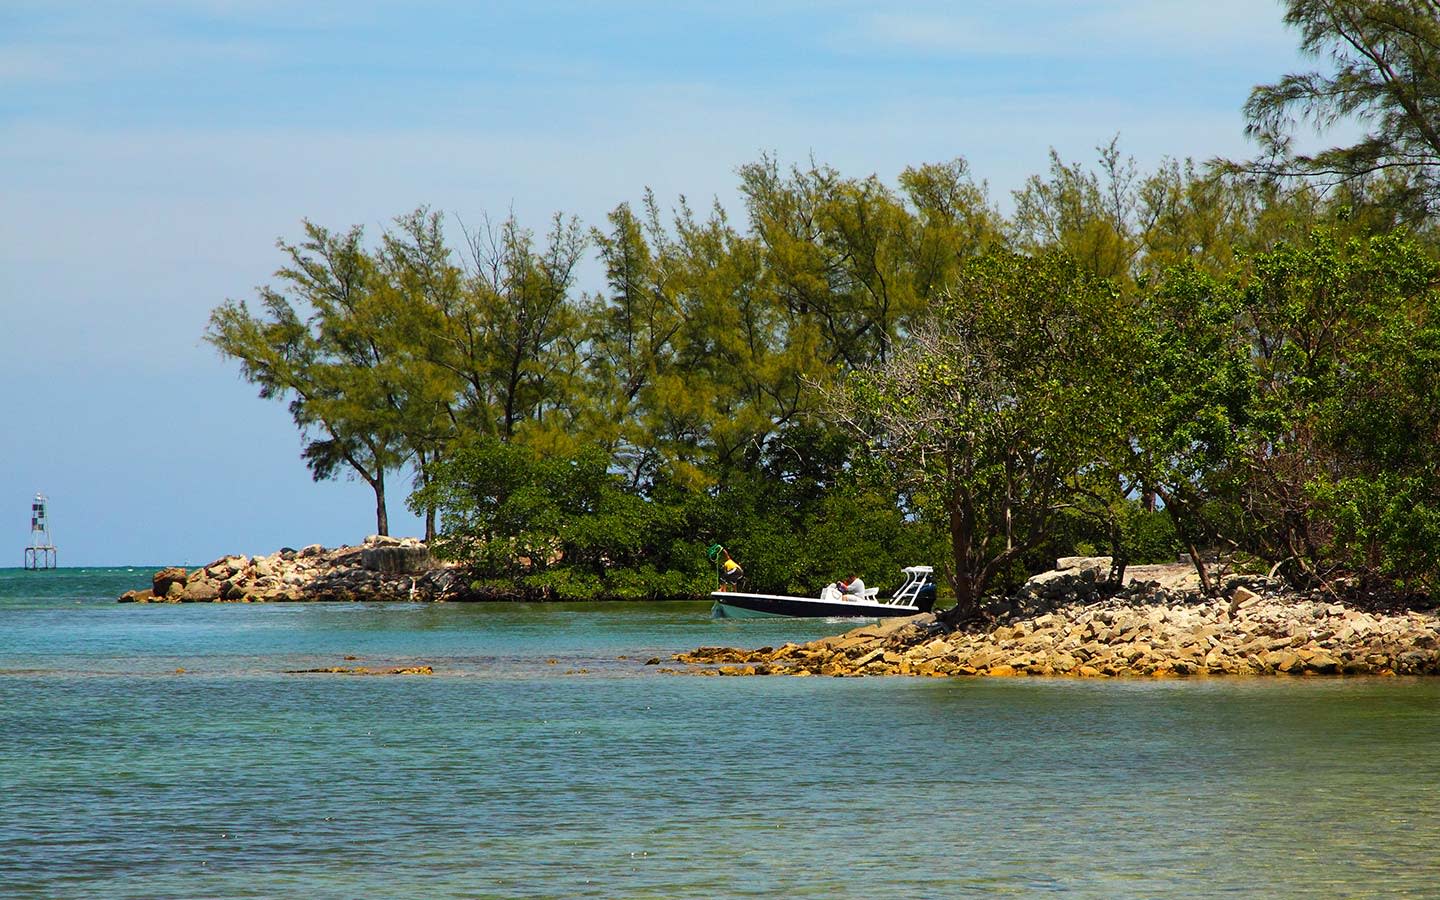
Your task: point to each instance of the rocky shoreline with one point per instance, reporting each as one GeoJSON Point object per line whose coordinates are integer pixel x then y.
{"type": "Point", "coordinates": [1060, 624]}
{"type": "Point", "coordinates": [382, 568]}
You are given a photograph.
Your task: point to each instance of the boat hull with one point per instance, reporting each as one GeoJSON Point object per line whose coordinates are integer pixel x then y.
{"type": "Point", "coordinates": [735, 605]}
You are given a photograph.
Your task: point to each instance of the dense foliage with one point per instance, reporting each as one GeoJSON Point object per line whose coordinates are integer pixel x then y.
{"type": "Point", "coordinates": [858, 376]}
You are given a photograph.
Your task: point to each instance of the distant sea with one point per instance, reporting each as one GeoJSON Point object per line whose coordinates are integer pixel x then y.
{"type": "Point", "coordinates": [537, 762]}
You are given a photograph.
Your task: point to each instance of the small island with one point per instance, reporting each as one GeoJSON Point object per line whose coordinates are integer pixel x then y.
{"type": "Point", "coordinates": [1232, 361]}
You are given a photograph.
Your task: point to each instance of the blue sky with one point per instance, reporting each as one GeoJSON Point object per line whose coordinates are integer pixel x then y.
{"type": "Point", "coordinates": [151, 153]}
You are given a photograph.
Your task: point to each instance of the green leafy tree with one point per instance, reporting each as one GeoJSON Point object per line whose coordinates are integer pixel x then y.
{"type": "Point", "coordinates": [1001, 412]}
{"type": "Point", "coordinates": [426, 288]}
{"type": "Point", "coordinates": [857, 261]}
{"type": "Point", "coordinates": [516, 333]}
{"type": "Point", "coordinates": [1089, 215]}
{"type": "Point", "coordinates": [632, 337]}
{"type": "Point", "coordinates": [561, 527]}
{"type": "Point", "coordinates": [327, 342]}
{"type": "Point", "coordinates": [1339, 331]}
{"type": "Point", "coordinates": [1191, 380]}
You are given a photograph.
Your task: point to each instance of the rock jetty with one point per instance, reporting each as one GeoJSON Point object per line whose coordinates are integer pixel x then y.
{"type": "Point", "coordinates": [1158, 625]}
{"type": "Point", "coordinates": [382, 568]}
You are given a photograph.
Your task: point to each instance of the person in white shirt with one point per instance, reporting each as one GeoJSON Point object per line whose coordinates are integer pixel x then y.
{"type": "Point", "coordinates": [851, 588]}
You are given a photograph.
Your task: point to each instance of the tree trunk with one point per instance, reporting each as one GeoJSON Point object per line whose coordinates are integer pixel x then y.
{"type": "Point", "coordinates": [963, 578]}
{"type": "Point", "coordinates": [1180, 518]}
{"type": "Point", "coordinates": [429, 510]}
{"type": "Point", "coordinates": [382, 518]}
{"type": "Point", "coordinates": [1119, 560]}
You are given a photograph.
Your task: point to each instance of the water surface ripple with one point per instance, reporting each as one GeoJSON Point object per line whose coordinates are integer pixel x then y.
{"type": "Point", "coordinates": [509, 775]}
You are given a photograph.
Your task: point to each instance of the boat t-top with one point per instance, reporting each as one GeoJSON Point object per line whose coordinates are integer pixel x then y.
{"type": "Point", "coordinates": [915, 595]}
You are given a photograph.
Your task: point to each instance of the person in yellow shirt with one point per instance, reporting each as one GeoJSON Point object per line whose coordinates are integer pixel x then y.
{"type": "Point", "coordinates": [730, 571]}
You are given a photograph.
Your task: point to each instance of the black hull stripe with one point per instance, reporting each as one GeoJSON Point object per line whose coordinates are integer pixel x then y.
{"type": "Point", "coordinates": [811, 609]}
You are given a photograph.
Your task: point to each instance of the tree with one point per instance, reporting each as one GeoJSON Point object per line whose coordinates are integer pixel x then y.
{"type": "Point", "coordinates": [330, 345]}
{"type": "Point", "coordinates": [1002, 411]}
{"type": "Point", "coordinates": [517, 326]}
{"type": "Point", "coordinates": [559, 526]}
{"type": "Point", "coordinates": [633, 331]}
{"type": "Point", "coordinates": [1090, 216]}
{"type": "Point", "coordinates": [1385, 77]}
{"type": "Point", "coordinates": [1343, 407]}
{"type": "Point", "coordinates": [426, 289]}
{"type": "Point", "coordinates": [1191, 379]}
{"type": "Point", "coordinates": [697, 364]}
{"type": "Point", "coordinates": [857, 261]}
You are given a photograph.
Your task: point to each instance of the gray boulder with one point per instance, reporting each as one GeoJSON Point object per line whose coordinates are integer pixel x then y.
{"type": "Point", "coordinates": [397, 559]}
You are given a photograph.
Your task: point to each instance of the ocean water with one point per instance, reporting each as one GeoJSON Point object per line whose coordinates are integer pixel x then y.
{"type": "Point", "coordinates": [544, 759]}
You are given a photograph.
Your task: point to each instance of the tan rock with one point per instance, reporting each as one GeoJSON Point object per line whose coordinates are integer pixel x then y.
{"type": "Point", "coordinates": [873, 654]}
{"type": "Point", "coordinates": [1099, 564]}
{"type": "Point", "coordinates": [937, 648]}
{"type": "Point", "coordinates": [1282, 661]}
{"type": "Point", "coordinates": [1243, 596]}
{"type": "Point", "coordinates": [1321, 663]}
{"type": "Point", "coordinates": [1063, 662]}
{"type": "Point", "coordinates": [160, 582]}
{"type": "Point", "coordinates": [200, 591]}
{"type": "Point", "coordinates": [982, 658]}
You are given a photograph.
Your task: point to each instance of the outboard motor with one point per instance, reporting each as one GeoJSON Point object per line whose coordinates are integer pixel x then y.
{"type": "Point", "coordinates": [925, 600]}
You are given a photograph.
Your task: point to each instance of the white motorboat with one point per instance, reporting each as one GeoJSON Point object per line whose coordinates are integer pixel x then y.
{"type": "Point", "coordinates": [916, 595]}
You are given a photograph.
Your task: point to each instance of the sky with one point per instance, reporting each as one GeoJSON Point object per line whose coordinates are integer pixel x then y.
{"type": "Point", "coordinates": [153, 151]}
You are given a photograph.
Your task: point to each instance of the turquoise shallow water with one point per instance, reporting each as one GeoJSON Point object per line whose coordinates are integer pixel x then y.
{"type": "Point", "coordinates": [507, 775]}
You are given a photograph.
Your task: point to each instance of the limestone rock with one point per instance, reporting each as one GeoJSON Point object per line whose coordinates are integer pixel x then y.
{"type": "Point", "coordinates": [1243, 597]}
{"type": "Point", "coordinates": [200, 591]}
{"type": "Point", "coordinates": [163, 579]}
{"type": "Point", "coordinates": [1100, 564]}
